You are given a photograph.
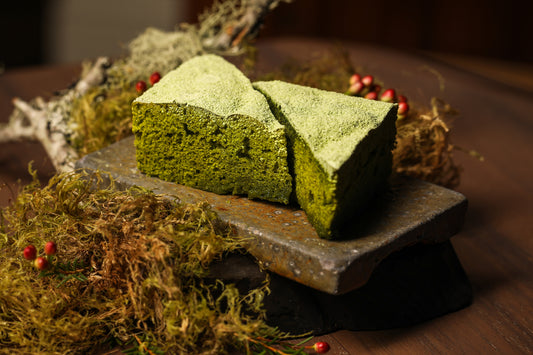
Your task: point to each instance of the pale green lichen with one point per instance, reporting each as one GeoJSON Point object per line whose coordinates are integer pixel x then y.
{"type": "Point", "coordinates": [203, 125]}
{"type": "Point", "coordinates": [340, 149]}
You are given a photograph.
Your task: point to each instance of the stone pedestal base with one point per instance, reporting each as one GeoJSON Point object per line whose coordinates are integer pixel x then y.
{"type": "Point", "coordinates": [411, 286]}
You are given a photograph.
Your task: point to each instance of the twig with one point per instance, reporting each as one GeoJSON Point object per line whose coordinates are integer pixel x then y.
{"type": "Point", "coordinates": [142, 346]}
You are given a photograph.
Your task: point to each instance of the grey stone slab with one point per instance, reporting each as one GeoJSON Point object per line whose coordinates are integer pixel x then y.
{"type": "Point", "coordinates": [410, 212]}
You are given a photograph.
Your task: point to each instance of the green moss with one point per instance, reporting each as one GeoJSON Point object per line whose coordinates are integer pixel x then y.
{"type": "Point", "coordinates": [146, 261]}
{"type": "Point", "coordinates": [340, 148]}
{"type": "Point", "coordinates": [203, 125]}
{"type": "Point", "coordinates": [101, 117]}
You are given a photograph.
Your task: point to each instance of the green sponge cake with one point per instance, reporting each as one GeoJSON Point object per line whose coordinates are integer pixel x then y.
{"type": "Point", "coordinates": [203, 125]}
{"type": "Point", "coordinates": [340, 148]}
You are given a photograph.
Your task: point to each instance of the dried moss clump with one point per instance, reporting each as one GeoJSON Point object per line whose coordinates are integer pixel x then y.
{"type": "Point", "coordinates": [102, 117]}
{"type": "Point", "coordinates": [423, 147]}
{"type": "Point", "coordinates": [143, 261]}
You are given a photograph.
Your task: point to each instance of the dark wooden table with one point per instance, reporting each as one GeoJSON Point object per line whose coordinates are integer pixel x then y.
{"type": "Point", "coordinates": [495, 246]}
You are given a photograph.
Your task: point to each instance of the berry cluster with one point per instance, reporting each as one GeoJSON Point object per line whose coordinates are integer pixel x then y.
{"type": "Point", "coordinates": [365, 86]}
{"type": "Point", "coordinates": [41, 263]}
{"type": "Point", "coordinates": [141, 85]}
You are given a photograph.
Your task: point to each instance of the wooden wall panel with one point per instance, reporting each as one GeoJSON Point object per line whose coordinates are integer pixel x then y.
{"type": "Point", "coordinates": [488, 28]}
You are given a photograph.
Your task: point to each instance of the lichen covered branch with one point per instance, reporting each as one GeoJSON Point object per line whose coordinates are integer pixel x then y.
{"type": "Point", "coordinates": [48, 122]}
{"type": "Point", "coordinates": [245, 24]}
{"type": "Point", "coordinates": [95, 76]}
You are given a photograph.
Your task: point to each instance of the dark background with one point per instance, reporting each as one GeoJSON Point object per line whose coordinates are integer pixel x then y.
{"type": "Point", "coordinates": [496, 29]}
{"type": "Point", "coordinates": [492, 29]}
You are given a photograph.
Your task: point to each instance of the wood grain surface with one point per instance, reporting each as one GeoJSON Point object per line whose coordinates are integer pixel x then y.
{"type": "Point", "coordinates": [495, 246]}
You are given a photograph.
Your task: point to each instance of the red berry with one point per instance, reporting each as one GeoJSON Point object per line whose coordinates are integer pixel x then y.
{"type": "Point", "coordinates": [402, 98]}
{"type": "Point", "coordinates": [355, 79]}
{"type": "Point", "coordinates": [367, 80]}
{"type": "Point", "coordinates": [372, 95]}
{"type": "Point", "coordinates": [388, 95]}
{"type": "Point", "coordinates": [140, 86]}
{"type": "Point", "coordinates": [50, 248]}
{"type": "Point", "coordinates": [30, 252]}
{"type": "Point", "coordinates": [41, 263]}
{"type": "Point", "coordinates": [321, 347]}
{"type": "Point", "coordinates": [403, 108]}
{"type": "Point", "coordinates": [154, 78]}
{"type": "Point", "coordinates": [355, 88]}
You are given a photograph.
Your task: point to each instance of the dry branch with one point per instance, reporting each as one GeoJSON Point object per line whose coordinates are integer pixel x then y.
{"type": "Point", "coordinates": [48, 122]}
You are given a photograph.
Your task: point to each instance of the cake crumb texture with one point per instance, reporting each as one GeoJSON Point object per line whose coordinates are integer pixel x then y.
{"type": "Point", "coordinates": [203, 125]}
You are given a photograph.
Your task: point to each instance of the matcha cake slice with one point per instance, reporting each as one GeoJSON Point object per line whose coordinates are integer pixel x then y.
{"type": "Point", "coordinates": [340, 149]}
{"type": "Point", "coordinates": [203, 125]}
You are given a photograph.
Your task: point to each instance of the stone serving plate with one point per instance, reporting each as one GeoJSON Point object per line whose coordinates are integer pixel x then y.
{"type": "Point", "coordinates": [411, 212]}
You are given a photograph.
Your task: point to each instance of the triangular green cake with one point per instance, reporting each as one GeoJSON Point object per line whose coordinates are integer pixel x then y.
{"type": "Point", "coordinates": [203, 125]}
{"type": "Point", "coordinates": [340, 150]}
